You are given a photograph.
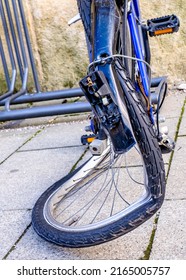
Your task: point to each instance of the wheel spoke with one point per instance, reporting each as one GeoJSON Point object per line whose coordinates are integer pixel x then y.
{"type": "Point", "coordinates": [107, 175]}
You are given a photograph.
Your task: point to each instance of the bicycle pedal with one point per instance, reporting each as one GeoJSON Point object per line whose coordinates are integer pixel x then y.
{"type": "Point", "coordinates": [163, 25]}
{"type": "Point", "coordinates": [87, 139]}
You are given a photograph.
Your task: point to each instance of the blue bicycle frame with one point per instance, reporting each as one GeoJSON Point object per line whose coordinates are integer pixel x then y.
{"type": "Point", "coordinates": [134, 16]}
{"type": "Point", "coordinates": [106, 20]}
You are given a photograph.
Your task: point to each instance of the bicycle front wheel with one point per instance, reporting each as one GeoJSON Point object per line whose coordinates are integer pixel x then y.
{"type": "Point", "coordinates": [111, 194]}
{"type": "Point", "coordinates": [107, 196]}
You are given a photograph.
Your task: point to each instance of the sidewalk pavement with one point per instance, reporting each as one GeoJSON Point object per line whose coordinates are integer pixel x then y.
{"type": "Point", "coordinates": [36, 153]}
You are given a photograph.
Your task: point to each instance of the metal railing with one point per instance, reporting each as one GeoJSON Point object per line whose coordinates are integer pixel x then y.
{"type": "Point", "coordinates": [18, 63]}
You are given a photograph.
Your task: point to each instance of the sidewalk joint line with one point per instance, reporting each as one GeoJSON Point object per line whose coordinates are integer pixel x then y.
{"type": "Point", "coordinates": [30, 138]}
{"type": "Point", "coordinates": [176, 136]}
{"type": "Point", "coordinates": [52, 148]}
{"type": "Point", "coordinates": [148, 250]}
{"type": "Point", "coordinates": [17, 241]}
{"type": "Point", "coordinates": [181, 135]}
{"type": "Point", "coordinates": [16, 209]}
{"type": "Point", "coordinates": [175, 199]}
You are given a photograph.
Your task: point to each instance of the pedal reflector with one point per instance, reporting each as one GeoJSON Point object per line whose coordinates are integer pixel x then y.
{"type": "Point", "coordinates": [165, 31]}
{"type": "Point", "coordinates": [87, 139]}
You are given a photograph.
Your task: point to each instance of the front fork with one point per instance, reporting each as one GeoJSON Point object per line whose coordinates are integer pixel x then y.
{"type": "Point", "coordinates": [101, 86]}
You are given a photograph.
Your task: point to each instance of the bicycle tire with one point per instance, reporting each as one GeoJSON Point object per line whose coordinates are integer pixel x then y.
{"type": "Point", "coordinates": [156, 177]}
{"type": "Point", "coordinates": [121, 222]}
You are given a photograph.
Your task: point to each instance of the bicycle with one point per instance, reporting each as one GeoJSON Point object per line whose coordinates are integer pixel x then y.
{"type": "Point", "coordinates": [88, 206]}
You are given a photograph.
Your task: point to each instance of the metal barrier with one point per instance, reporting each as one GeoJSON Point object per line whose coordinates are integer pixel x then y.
{"type": "Point", "coordinates": [17, 62]}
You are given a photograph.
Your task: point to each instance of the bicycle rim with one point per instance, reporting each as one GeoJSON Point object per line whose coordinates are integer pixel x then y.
{"type": "Point", "coordinates": [103, 191]}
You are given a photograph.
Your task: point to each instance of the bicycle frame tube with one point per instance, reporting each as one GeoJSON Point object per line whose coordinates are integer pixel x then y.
{"type": "Point", "coordinates": [105, 26]}
{"type": "Point", "coordinates": [138, 46]}
{"type": "Point", "coordinates": [106, 19]}
{"type": "Point", "coordinates": [136, 8]}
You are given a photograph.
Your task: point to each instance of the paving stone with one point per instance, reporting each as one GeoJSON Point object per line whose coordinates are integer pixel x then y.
{"type": "Point", "coordinates": [170, 237]}
{"type": "Point", "coordinates": [12, 225]}
{"type": "Point", "coordinates": [26, 175]}
{"type": "Point", "coordinates": [58, 135]}
{"type": "Point", "coordinates": [46, 158]}
{"type": "Point", "coordinates": [12, 139]}
{"type": "Point", "coordinates": [176, 186]}
{"type": "Point", "coordinates": [130, 246]}
{"type": "Point", "coordinates": [172, 105]}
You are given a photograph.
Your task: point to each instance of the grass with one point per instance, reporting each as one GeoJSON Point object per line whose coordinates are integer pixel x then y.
{"type": "Point", "coordinates": [77, 162]}
{"type": "Point", "coordinates": [147, 252]}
